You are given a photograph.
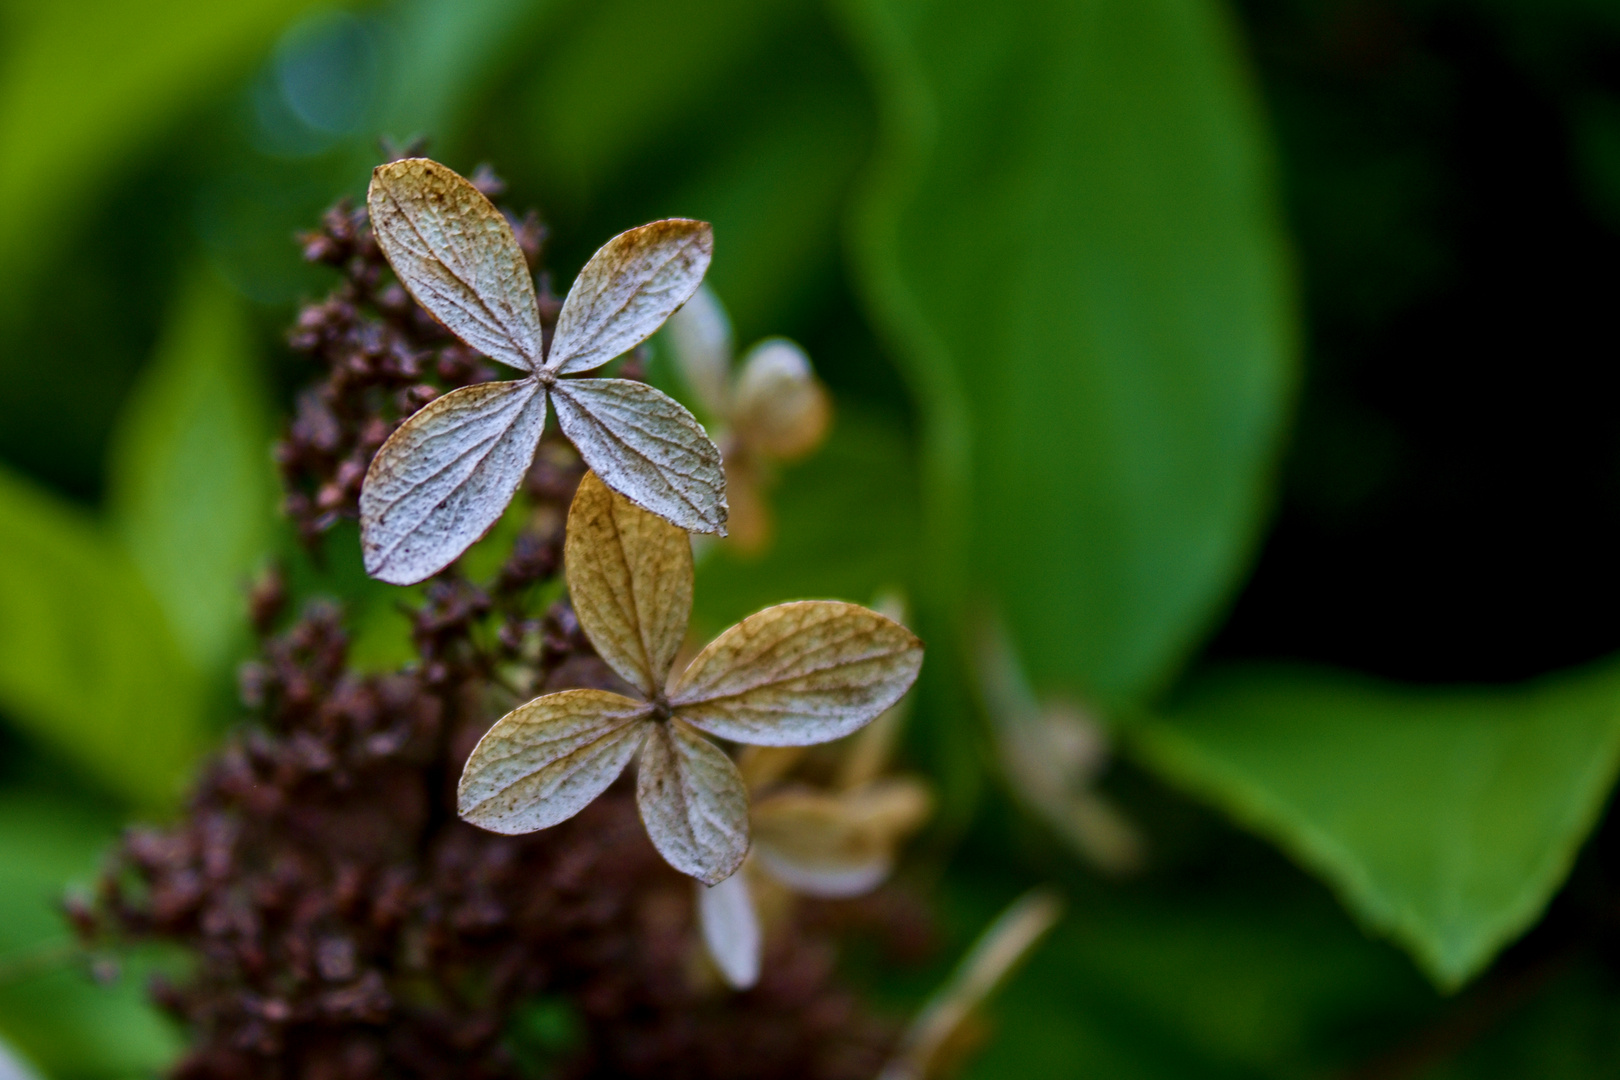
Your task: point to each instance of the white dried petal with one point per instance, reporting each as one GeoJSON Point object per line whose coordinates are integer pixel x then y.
{"type": "Point", "coordinates": [700, 339]}
{"type": "Point", "coordinates": [544, 762]}
{"type": "Point", "coordinates": [779, 408]}
{"type": "Point", "coordinates": [730, 925]}
{"type": "Point", "coordinates": [630, 578]}
{"type": "Point", "coordinates": [455, 253]}
{"type": "Point", "coordinates": [797, 674]}
{"type": "Point", "coordinates": [647, 447]}
{"type": "Point", "coordinates": [630, 286]}
{"type": "Point", "coordinates": [445, 476]}
{"type": "Point", "coordinates": [693, 803]}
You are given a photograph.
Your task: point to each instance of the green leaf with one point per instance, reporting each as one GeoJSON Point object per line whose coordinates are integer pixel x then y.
{"type": "Point", "coordinates": [84, 84]}
{"type": "Point", "coordinates": [1444, 817]}
{"type": "Point", "coordinates": [192, 488]}
{"type": "Point", "coordinates": [50, 1010]}
{"type": "Point", "coordinates": [90, 665]}
{"type": "Point", "coordinates": [1071, 241]}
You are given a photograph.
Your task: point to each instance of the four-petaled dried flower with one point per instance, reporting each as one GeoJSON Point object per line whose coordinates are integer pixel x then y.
{"type": "Point", "coordinates": [770, 409]}
{"type": "Point", "coordinates": [792, 675]}
{"type": "Point", "coordinates": [448, 473]}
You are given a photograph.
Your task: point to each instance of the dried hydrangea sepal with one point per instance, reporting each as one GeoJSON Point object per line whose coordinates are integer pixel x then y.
{"type": "Point", "coordinates": [456, 254]}
{"type": "Point", "coordinates": [693, 803]}
{"type": "Point", "coordinates": [799, 673]}
{"type": "Point", "coordinates": [544, 762]}
{"type": "Point", "coordinates": [646, 446]}
{"type": "Point", "coordinates": [445, 476]}
{"type": "Point", "coordinates": [630, 576]}
{"type": "Point", "coordinates": [731, 931]}
{"type": "Point", "coordinates": [624, 293]}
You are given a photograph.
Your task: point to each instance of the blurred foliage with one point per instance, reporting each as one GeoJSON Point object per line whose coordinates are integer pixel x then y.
{"type": "Point", "coordinates": [1040, 252]}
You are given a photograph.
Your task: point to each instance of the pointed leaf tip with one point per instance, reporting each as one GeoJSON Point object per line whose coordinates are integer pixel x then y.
{"type": "Point", "coordinates": [797, 674]}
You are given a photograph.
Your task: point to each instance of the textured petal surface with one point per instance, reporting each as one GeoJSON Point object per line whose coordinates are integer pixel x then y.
{"type": "Point", "coordinates": [630, 578]}
{"type": "Point", "coordinates": [544, 762]}
{"type": "Point", "coordinates": [731, 929]}
{"type": "Point", "coordinates": [693, 802]}
{"type": "Point", "coordinates": [797, 674]}
{"type": "Point", "coordinates": [837, 845]}
{"type": "Point", "coordinates": [630, 286]}
{"type": "Point", "coordinates": [456, 254]}
{"type": "Point", "coordinates": [647, 447]}
{"type": "Point", "coordinates": [446, 476]}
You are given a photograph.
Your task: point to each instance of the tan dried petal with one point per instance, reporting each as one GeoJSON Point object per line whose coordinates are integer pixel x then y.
{"type": "Point", "coordinates": [762, 766]}
{"type": "Point", "coordinates": [455, 253]}
{"type": "Point", "coordinates": [837, 845]}
{"type": "Point", "coordinates": [544, 762]}
{"type": "Point", "coordinates": [749, 522]}
{"type": "Point", "coordinates": [700, 339]}
{"type": "Point", "coordinates": [445, 476]}
{"type": "Point", "coordinates": [630, 286]}
{"type": "Point", "coordinates": [796, 674]}
{"type": "Point", "coordinates": [630, 578]}
{"type": "Point", "coordinates": [779, 408]}
{"type": "Point", "coordinates": [647, 447]}
{"type": "Point", "coordinates": [731, 930]}
{"type": "Point", "coordinates": [693, 803]}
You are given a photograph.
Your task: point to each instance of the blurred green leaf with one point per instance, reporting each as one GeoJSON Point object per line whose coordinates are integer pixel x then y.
{"type": "Point", "coordinates": [84, 83]}
{"type": "Point", "coordinates": [90, 665]}
{"type": "Point", "coordinates": [192, 488]}
{"type": "Point", "coordinates": [846, 525]}
{"type": "Point", "coordinates": [1071, 241]}
{"type": "Point", "coordinates": [50, 1010]}
{"type": "Point", "coordinates": [1444, 817]}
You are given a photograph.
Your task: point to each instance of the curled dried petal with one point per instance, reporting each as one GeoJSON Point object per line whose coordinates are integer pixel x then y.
{"type": "Point", "coordinates": [837, 845]}
{"type": "Point", "coordinates": [693, 802]}
{"type": "Point", "coordinates": [628, 288]}
{"type": "Point", "coordinates": [700, 338]}
{"type": "Point", "coordinates": [630, 577]}
{"type": "Point", "coordinates": [797, 674]}
{"type": "Point", "coordinates": [647, 447]}
{"type": "Point", "coordinates": [456, 254]}
{"type": "Point", "coordinates": [544, 762]}
{"type": "Point", "coordinates": [446, 476]}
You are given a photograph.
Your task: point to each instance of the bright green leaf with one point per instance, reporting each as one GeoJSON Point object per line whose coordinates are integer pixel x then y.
{"type": "Point", "coordinates": [90, 665]}
{"type": "Point", "coordinates": [1071, 241]}
{"type": "Point", "coordinates": [50, 1010]}
{"type": "Point", "coordinates": [192, 485]}
{"type": "Point", "coordinates": [84, 82]}
{"type": "Point", "coordinates": [1444, 817]}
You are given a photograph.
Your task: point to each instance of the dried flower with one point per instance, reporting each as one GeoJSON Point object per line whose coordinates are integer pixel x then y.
{"type": "Point", "coordinates": [445, 476]}
{"type": "Point", "coordinates": [771, 408]}
{"type": "Point", "coordinates": [935, 1038]}
{"type": "Point", "coordinates": [832, 840]}
{"type": "Point", "coordinates": [791, 675]}
{"type": "Point", "coordinates": [1053, 755]}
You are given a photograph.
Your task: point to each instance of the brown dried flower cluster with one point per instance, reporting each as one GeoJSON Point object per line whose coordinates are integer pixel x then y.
{"type": "Point", "coordinates": [342, 921]}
